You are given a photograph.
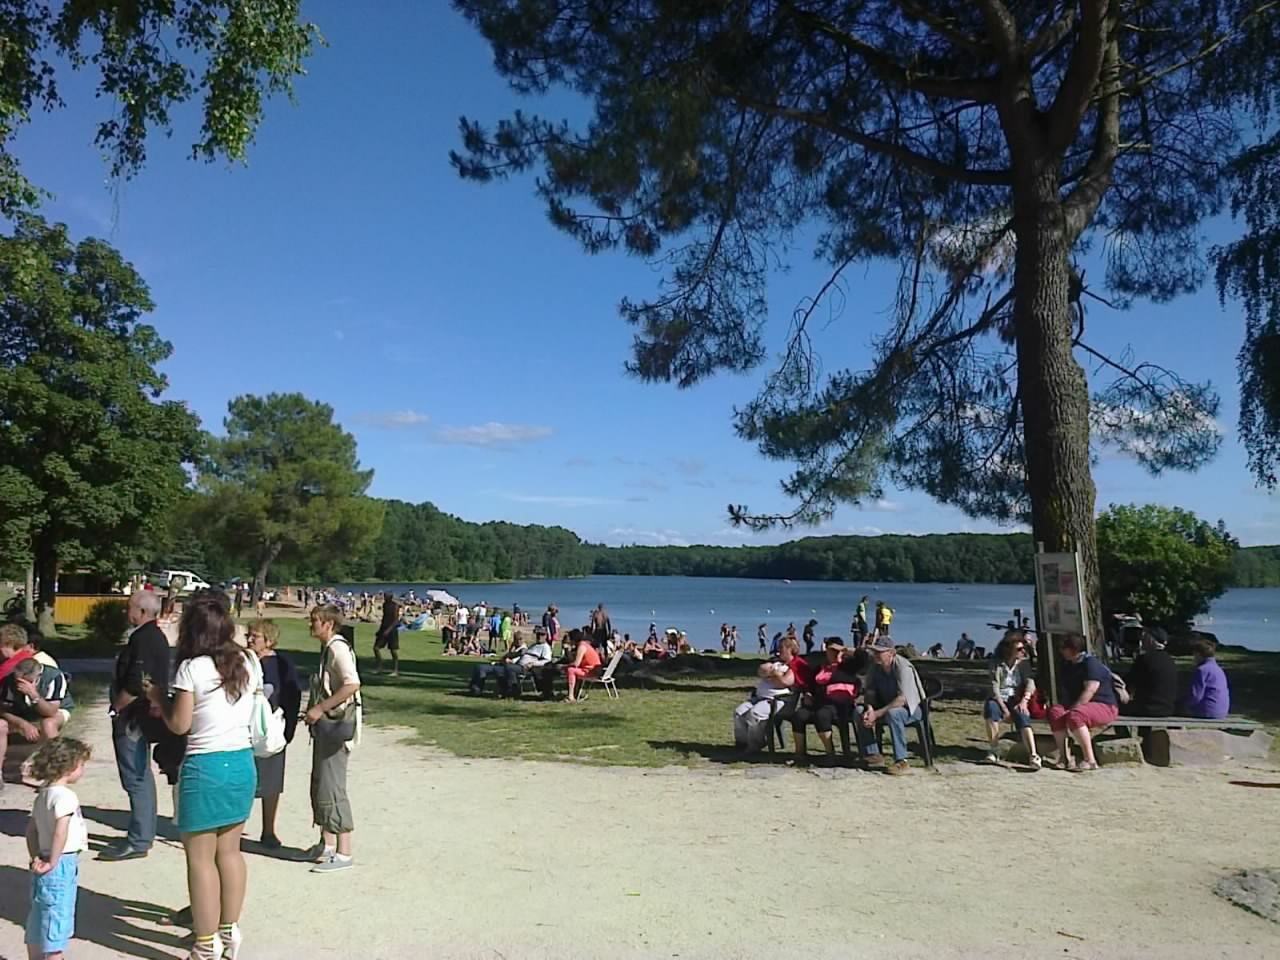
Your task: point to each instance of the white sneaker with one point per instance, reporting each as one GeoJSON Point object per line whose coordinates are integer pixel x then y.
{"type": "Point", "coordinates": [991, 758]}
{"type": "Point", "coordinates": [1036, 762]}
{"type": "Point", "coordinates": [214, 953]}
{"type": "Point", "coordinates": [231, 945]}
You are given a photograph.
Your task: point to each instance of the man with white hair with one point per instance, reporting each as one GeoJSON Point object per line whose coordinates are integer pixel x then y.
{"type": "Point", "coordinates": [144, 659]}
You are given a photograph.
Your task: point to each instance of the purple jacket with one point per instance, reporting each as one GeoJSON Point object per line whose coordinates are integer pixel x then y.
{"type": "Point", "coordinates": [1210, 695]}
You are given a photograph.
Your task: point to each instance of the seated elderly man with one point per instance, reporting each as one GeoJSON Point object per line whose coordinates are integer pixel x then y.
{"type": "Point", "coordinates": [35, 702]}
{"type": "Point", "coordinates": [514, 666]}
{"type": "Point", "coordinates": [483, 671]}
{"type": "Point", "coordinates": [893, 695]}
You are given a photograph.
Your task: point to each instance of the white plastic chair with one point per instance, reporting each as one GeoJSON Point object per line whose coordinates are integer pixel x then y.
{"type": "Point", "coordinates": [605, 679]}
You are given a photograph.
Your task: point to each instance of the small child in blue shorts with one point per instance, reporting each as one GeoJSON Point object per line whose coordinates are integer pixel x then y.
{"type": "Point", "coordinates": [56, 836]}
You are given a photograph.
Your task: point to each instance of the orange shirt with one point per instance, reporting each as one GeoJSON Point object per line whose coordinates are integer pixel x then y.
{"type": "Point", "coordinates": [590, 657]}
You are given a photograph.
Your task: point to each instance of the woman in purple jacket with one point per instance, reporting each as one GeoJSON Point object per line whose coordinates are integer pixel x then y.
{"type": "Point", "coordinates": [1210, 695]}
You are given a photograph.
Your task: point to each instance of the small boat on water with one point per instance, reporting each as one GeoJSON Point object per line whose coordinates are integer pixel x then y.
{"type": "Point", "coordinates": [786, 581]}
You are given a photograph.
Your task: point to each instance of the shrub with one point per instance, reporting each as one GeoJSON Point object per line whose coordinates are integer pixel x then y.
{"type": "Point", "coordinates": [107, 620]}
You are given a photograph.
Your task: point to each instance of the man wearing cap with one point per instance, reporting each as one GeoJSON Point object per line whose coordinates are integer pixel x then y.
{"type": "Point", "coordinates": [893, 697]}
{"type": "Point", "coordinates": [1152, 682]}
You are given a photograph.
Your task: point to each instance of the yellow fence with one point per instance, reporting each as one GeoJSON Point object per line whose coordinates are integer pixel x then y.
{"type": "Point", "coordinates": [71, 611]}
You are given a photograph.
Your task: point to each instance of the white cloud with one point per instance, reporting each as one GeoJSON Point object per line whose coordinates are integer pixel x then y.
{"type": "Point", "coordinates": [395, 420]}
{"type": "Point", "coordinates": [887, 506]}
{"type": "Point", "coordinates": [561, 500]}
{"type": "Point", "coordinates": [492, 434]}
{"type": "Point", "coordinates": [661, 538]}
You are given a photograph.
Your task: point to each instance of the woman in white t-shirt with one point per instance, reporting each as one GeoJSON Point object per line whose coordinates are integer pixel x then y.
{"type": "Point", "coordinates": [212, 705]}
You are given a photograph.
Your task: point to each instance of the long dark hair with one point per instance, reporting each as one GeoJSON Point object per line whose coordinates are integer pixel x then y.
{"type": "Point", "coordinates": [206, 630]}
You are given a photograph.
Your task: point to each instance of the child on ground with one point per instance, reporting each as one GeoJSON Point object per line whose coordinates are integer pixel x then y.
{"type": "Point", "coordinates": [56, 836]}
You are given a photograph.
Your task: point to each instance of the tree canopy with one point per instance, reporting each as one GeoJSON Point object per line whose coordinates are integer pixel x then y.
{"type": "Point", "coordinates": [150, 56]}
{"type": "Point", "coordinates": [90, 456]}
{"type": "Point", "coordinates": [1162, 563]}
{"type": "Point", "coordinates": [285, 482]}
{"type": "Point", "coordinates": [985, 147]}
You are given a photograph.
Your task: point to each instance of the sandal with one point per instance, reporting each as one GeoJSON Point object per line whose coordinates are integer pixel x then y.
{"type": "Point", "coordinates": [1085, 766]}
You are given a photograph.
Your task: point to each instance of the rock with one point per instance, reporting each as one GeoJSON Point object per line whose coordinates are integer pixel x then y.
{"type": "Point", "coordinates": [1257, 891]}
{"type": "Point", "coordinates": [1013, 751]}
{"type": "Point", "coordinates": [1118, 750]}
{"type": "Point", "coordinates": [1203, 748]}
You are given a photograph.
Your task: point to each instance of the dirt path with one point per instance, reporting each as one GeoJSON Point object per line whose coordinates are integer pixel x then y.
{"type": "Point", "coordinates": [511, 859]}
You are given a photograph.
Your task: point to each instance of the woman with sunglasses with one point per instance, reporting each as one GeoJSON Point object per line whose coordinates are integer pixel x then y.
{"type": "Point", "coordinates": [1013, 683]}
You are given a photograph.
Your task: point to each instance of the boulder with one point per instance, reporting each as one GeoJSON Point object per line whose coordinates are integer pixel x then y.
{"type": "Point", "coordinates": [1013, 751]}
{"type": "Point", "coordinates": [1202, 748]}
{"type": "Point", "coordinates": [1118, 750]}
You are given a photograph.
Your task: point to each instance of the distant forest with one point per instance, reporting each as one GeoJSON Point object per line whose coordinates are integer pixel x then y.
{"type": "Point", "coordinates": [421, 544]}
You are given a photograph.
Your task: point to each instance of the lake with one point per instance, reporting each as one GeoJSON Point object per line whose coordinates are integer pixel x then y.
{"type": "Point", "coordinates": [924, 613]}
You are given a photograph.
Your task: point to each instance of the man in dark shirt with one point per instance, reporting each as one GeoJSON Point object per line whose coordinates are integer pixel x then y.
{"type": "Point", "coordinates": [1152, 683]}
{"type": "Point", "coordinates": [145, 658]}
{"type": "Point", "coordinates": [388, 634]}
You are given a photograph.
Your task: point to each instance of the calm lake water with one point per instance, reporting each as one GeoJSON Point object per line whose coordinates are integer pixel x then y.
{"type": "Point", "coordinates": [924, 613]}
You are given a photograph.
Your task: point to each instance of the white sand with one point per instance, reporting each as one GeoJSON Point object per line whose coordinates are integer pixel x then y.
{"type": "Point", "coordinates": [506, 859]}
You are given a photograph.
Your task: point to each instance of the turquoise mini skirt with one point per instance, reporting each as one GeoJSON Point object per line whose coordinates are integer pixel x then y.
{"type": "Point", "coordinates": [215, 790]}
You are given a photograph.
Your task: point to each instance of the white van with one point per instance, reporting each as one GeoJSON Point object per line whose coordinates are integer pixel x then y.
{"type": "Point", "coordinates": [193, 582]}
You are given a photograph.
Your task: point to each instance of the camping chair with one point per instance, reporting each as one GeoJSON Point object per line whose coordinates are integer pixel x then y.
{"type": "Point", "coordinates": [776, 718]}
{"type": "Point", "coordinates": [924, 726]}
{"type": "Point", "coordinates": [605, 679]}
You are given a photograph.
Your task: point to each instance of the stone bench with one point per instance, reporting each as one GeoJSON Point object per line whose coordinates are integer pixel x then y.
{"type": "Point", "coordinates": [1193, 741]}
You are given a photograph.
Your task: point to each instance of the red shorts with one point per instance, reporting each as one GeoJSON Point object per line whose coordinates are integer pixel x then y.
{"type": "Point", "coordinates": [1089, 715]}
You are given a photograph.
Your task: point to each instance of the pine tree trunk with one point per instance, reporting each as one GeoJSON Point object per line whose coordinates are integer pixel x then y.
{"type": "Point", "coordinates": [29, 598]}
{"type": "Point", "coordinates": [260, 575]}
{"type": "Point", "coordinates": [1055, 397]}
{"type": "Point", "coordinates": [46, 577]}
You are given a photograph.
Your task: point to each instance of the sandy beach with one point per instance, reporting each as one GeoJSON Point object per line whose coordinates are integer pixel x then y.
{"type": "Point", "coordinates": [514, 859]}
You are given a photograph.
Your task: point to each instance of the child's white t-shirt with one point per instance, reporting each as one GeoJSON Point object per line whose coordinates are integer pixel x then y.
{"type": "Point", "coordinates": [217, 723]}
{"type": "Point", "coordinates": [52, 804]}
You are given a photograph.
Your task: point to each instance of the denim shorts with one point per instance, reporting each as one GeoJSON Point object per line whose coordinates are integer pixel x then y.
{"type": "Point", "coordinates": [215, 790]}
{"type": "Point", "coordinates": [52, 920]}
{"type": "Point", "coordinates": [1019, 719]}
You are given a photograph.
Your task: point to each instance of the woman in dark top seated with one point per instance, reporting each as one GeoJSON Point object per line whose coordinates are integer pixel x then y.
{"type": "Point", "coordinates": [280, 681]}
{"type": "Point", "coordinates": [1089, 702]}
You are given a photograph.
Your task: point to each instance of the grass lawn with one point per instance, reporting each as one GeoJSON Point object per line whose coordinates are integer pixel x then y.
{"type": "Point", "coordinates": [684, 719]}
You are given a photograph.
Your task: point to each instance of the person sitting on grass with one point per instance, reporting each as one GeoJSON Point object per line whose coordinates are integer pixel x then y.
{"type": "Point", "coordinates": [586, 663]}
{"type": "Point", "coordinates": [1012, 686]}
{"type": "Point", "coordinates": [893, 696]}
{"type": "Point", "coordinates": [1089, 703]}
{"type": "Point", "coordinates": [483, 671]}
{"type": "Point", "coordinates": [829, 701]}
{"type": "Point", "coordinates": [752, 717]}
{"type": "Point", "coordinates": [35, 700]}
{"type": "Point", "coordinates": [1210, 696]}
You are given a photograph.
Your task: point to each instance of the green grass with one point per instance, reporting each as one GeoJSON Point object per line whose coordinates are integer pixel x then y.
{"type": "Point", "coordinates": [680, 719]}
{"type": "Point", "coordinates": [684, 719]}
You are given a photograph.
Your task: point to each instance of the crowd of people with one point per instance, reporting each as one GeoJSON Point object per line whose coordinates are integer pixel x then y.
{"type": "Point", "coordinates": [189, 708]}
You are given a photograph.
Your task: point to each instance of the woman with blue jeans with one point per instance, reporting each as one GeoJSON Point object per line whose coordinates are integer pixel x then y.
{"type": "Point", "coordinates": [212, 704]}
{"type": "Point", "coordinates": [1013, 683]}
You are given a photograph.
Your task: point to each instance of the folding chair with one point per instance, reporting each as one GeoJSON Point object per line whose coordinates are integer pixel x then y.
{"type": "Point", "coordinates": [605, 679]}
{"type": "Point", "coordinates": [924, 727]}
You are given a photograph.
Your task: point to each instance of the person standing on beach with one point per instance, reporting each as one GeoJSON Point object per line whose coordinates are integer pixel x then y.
{"type": "Point", "coordinates": [601, 629]}
{"type": "Point", "coordinates": [388, 635]}
{"type": "Point", "coordinates": [808, 636]}
{"type": "Point", "coordinates": [145, 659]}
{"type": "Point", "coordinates": [860, 620]}
{"type": "Point", "coordinates": [334, 718]}
{"type": "Point", "coordinates": [762, 637]}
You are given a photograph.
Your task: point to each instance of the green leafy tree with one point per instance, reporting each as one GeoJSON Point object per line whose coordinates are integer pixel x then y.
{"type": "Point", "coordinates": [1162, 562]}
{"type": "Point", "coordinates": [285, 483]}
{"type": "Point", "coordinates": [150, 56]}
{"type": "Point", "coordinates": [982, 145]}
{"type": "Point", "coordinates": [90, 457]}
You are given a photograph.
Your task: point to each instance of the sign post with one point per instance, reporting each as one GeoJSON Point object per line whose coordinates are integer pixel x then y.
{"type": "Point", "coordinates": [1060, 597]}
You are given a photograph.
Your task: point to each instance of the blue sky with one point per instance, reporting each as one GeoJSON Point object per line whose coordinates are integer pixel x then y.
{"type": "Point", "coordinates": [476, 352]}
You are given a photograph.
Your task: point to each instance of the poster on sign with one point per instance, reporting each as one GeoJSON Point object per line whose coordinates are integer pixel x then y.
{"type": "Point", "coordinates": [1058, 587]}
